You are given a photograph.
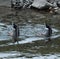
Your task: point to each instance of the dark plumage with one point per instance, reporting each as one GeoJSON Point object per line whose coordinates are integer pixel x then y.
{"type": "Point", "coordinates": [14, 26]}
{"type": "Point", "coordinates": [16, 32]}
{"type": "Point", "coordinates": [49, 33]}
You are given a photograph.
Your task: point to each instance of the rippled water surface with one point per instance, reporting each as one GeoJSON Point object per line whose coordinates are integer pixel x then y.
{"type": "Point", "coordinates": [32, 41]}
{"type": "Point", "coordinates": [32, 44]}
{"type": "Point", "coordinates": [20, 55]}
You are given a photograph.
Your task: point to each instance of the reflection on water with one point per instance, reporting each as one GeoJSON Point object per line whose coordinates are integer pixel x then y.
{"type": "Point", "coordinates": [29, 34]}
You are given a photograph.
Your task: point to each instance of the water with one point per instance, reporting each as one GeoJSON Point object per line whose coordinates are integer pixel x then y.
{"type": "Point", "coordinates": [32, 40]}
{"type": "Point", "coordinates": [27, 47]}
{"type": "Point", "coordinates": [27, 32]}
{"type": "Point", "coordinates": [21, 55]}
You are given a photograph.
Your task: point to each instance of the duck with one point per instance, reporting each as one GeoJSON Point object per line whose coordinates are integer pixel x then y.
{"type": "Point", "coordinates": [15, 36]}
{"type": "Point", "coordinates": [49, 32]}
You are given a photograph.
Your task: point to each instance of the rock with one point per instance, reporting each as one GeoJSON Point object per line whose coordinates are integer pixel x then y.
{"type": "Point", "coordinates": [43, 4]}
{"type": "Point", "coordinates": [27, 3]}
{"type": "Point", "coordinates": [39, 4]}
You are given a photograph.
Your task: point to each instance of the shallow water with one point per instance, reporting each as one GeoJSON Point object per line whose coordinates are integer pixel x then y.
{"type": "Point", "coordinates": [21, 55]}
{"type": "Point", "coordinates": [29, 34]}
{"type": "Point", "coordinates": [32, 40]}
